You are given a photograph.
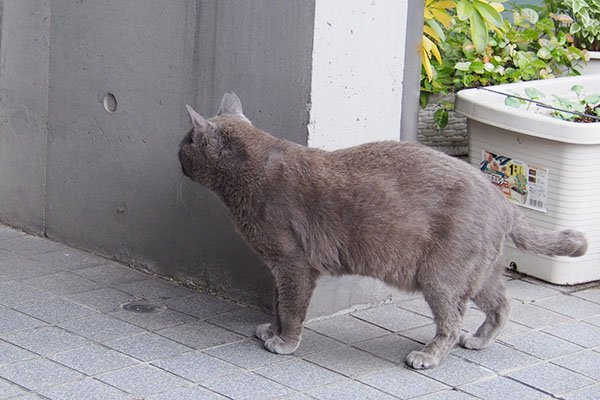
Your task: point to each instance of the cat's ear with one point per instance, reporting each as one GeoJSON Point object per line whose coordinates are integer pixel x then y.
{"type": "Point", "coordinates": [200, 124]}
{"type": "Point", "coordinates": [231, 106]}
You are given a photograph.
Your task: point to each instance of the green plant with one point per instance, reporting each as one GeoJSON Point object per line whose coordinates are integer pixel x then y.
{"type": "Point", "coordinates": [480, 16]}
{"type": "Point", "coordinates": [586, 108]}
{"type": "Point", "coordinates": [580, 18]}
{"type": "Point", "coordinates": [528, 48]}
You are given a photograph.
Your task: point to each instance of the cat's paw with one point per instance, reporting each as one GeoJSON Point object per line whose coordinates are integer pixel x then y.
{"type": "Point", "coordinates": [421, 360]}
{"type": "Point", "coordinates": [277, 345]}
{"type": "Point", "coordinates": [471, 342]}
{"type": "Point", "coordinates": [265, 332]}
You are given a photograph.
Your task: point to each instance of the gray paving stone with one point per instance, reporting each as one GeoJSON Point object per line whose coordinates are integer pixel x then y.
{"type": "Point", "coordinates": [55, 310]}
{"type": "Point", "coordinates": [9, 233]}
{"type": "Point", "coordinates": [69, 259]}
{"type": "Point", "coordinates": [402, 382]}
{"type": "Point", "coordinates": [592, 294]}
{"type": "Point", "coordinates": [248, 354]}
{"type": "Point", "coordinates": [7, 389]}
{"type": "Point", "coordinates": [456, 371]}
{"type": "Point", "coordinates": [348, 390]}
{"type": "Point", "coordinates": [591, 393]}
{"type": "Point", "coordinates": [186, 393]}
{"type": "Point", "coordinates": [13, 321]}
{"type": "Point", "coordinates": [418, 305]}
{"type": "Point", "coordinates": [313, 342]}
{"type": "Point", "coordinates": [147, 346]}
{"type": "Point", "coordinates": [347, 329]}
{"type": "Point", "coordinates": [38, 373]}
{"type": "Point", "coordinates": [580, 333]}
{"type": "Point", "coordinates": [104, 300]}
{"type": "Point", "coordinates": [527, 291]}
{"type": "Point", "coordinates": [46, 340]}
{"type": "Point", "coordinates": [16, 266]}
{"type": "Point", "coordinates": [502, 388]}
{"type": "Point", "coordinates": [247, 386]}
{"type": "Point", "coordinates": [27, 397]}
{"type": "Point", "coordinates": [452, 394]}
{"type": "Point", "coordinates": [62, 283]}
{"type": "Point", "coordinates": [153, 321]}
{"type": "Point", "coordinates": [200, 335]}
{"type": "Point", "coordinates": [17, 293]}
{"type": "Point", "coordinates": [142, 380]}
{"type": "Point", "coordinates": [243, 321]}
{"type": "Point", "coordinates": [101, 328]}
{"type": "Point", "coordinates": [201, 306]}
{"type": "Point", "coordinates": [542, 345]}
{"type": "Point", "coordinates": [196, 366]}
{"type": "Point", "coordinates": [111, 274]}
{"type": "Point", "coordinates": [155, 289]}
{"type": "Point", "coordinates": [10, 353]}
{"type": "Point", "coordinates": [84, 389]}
{"type": "Point", "coordinates": [28, 245]}
{"type": "Point", "coordinates": [535, 317]}
{"type": "Point", "coordinates": [497, 357]}
{"type": "Point", "coordinates": [422, 334]}
{"type": "Point", "coordinates": [93, 360]}
{"type": "Point", "coordinates": [392, 318]}
{"type": "Point", "coordinates": [299, 374]}
{"type": "Point", "coordinates": [550, 378]}
{"type": "Point", "coordinates": [585, 363]}
{"type": "Point", "coordinates": [349, 361]}
{"type": "Point", "coordinates": [570, 306]}
{"type": "Point", "coordinates": [4, 278]}
{"type": "Point", "coordinates": [391, 347]}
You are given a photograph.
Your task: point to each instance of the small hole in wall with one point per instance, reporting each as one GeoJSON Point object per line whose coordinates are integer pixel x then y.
{"type": "Point", "coordinates": [110, 102]}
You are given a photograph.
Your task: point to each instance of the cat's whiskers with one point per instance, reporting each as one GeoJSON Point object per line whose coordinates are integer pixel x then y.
{"type": "Point", "coordinates": [180, 192]}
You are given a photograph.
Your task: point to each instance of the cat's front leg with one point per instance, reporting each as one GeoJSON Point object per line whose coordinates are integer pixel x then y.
{"type": "Point", "coordinates": [294, 289]}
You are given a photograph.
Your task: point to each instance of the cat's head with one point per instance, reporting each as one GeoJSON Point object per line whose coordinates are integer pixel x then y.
{"type": "Point", "coordinates": [214, 148]}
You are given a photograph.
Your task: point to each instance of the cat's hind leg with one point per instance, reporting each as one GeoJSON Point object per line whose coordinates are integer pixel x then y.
{"type": "Point", "coordinates": [492, 300]}
{"type": "Point", "coordinates": [448, 311]}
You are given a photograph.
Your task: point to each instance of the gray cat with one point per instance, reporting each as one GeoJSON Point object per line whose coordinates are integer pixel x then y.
{"type": "Point", "coordinates": [411, 216]}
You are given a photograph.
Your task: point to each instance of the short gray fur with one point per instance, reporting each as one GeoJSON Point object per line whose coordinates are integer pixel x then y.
{"type": "Point", "coordinates": [402, 213]}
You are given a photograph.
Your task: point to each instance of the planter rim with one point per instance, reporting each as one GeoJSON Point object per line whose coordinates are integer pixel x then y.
{"type": "Point", "coordinates": [488, 107]}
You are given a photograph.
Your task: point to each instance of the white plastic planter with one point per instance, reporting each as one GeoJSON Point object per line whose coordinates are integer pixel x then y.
{"type": "Point", "coordinates": [560, 159]}
{"type": "Point", "coordinates": [593, 65]}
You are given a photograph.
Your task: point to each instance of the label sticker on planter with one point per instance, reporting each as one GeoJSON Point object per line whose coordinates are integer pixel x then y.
{"type": "Point", "coordinates": [521, 183]}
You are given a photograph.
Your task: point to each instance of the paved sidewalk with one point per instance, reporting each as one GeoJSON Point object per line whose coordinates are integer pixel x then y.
{"type": "Point", "coordinates": [65, 335]}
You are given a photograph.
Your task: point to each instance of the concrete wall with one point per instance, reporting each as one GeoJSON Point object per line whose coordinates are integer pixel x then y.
{"type": "Point", "coordinates": [110, 182]}
{"type": "Point", "coordinates": [24, 52]}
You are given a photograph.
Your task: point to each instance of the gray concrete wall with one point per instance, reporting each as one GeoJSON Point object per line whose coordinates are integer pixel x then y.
{"type": "Point", "coordinates": [24, 51]}
{"type": "Point", "coordinates": [110, 182]}
{"type": "Point", "coordinates": [114, 182]}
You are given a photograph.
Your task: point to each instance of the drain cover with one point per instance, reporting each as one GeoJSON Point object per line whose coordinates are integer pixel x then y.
{"type": "Point", "coordinates": [142, 307]}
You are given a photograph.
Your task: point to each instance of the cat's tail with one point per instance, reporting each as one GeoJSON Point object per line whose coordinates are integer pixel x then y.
{"type": "Point", "coordinates": [568, 242]}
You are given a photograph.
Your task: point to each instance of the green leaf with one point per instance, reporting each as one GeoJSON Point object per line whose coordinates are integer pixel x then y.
{"type": "Point", "coordinates": [463, 66]}
{"type": "Point", "coordinates": [437, 28]}
{"type": "Point", "coordinates": [488, 13]}
{"type": "Point", "coordinates": [592, 99]}
{"type": "Point", "coordinates": [534, 93]}
{"type": "Point", "coordinates": [530, 15]}
{"type": "Point", "coordinates": [464, 9]}
{"type": "Point", "coordinates": [423, 99]}
{"type": "Point", "coordinates": [477, 67]}
{"type": "Point", "coordinates": [479, 32]}
{"type": "Point", "coordinates": [513, 102]}
{"type": "Point", "coordinates": [577, 89]}
{"type": "Point", "coordinates": [440, 118]}
{"type": "Point", "coordinates": [544, 53]}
